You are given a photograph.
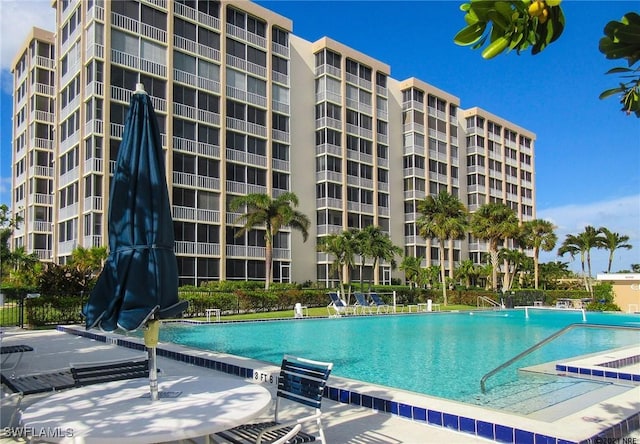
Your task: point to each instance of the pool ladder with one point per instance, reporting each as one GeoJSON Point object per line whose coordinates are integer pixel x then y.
{"type": "Point", "coordinates": [546, 341]}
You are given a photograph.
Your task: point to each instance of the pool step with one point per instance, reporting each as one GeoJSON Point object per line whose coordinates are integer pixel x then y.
{"type": "Point", "coordinates": [541, 396]}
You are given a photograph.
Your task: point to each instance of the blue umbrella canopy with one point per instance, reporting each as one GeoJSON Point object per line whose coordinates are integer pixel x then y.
{"type": "Point", "coordinates": [139, 280]}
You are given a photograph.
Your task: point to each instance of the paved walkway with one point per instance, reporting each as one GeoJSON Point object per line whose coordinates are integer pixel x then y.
{"type": "Point", "coordinates": [343, 423]}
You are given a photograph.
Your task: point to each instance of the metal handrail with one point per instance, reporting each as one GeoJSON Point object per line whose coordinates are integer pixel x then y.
{"type": "Point", "coordinates": [487, 299]}
{"type": "Point", "coordinates": [545, 341]}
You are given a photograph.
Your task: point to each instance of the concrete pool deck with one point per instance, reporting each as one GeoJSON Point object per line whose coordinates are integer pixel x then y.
{"type": "Point", "coordinates": [402, 417]}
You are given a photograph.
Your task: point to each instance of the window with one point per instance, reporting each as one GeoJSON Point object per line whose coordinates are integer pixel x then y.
{"type": "Point", "coordinates": [153, 17]}
{"type": "Point", "coordinates": [280, 151]}
{"type": "Point", "coordinates": [235, 48]}
{"type": "Point", "coordinates": [208, 135]}
{"type": "Point", "coordinates": [256, 56]}
{"type": "Point", "coordinates": [280, 65]}
{"type": "Point", "coordinates": [256, 146]}
{"type": "Point", "coordinates": [235, 17]}
{"type": "Point", "coordinates": [236, 110]}
{"type": "Point", "coordinates": [256, 26]}
{"type": "Point", "coordinates": [185, 29]}
{"type": "Point", "coordinates": [208, 167]}
{"type": "Point", "coordinates": [208, 38]}
{"type": "Point", "coordinates": [280, 36]}
{"type": "Point", "coordinates": [256, 115]}
{"type": "Point", "coordinates": [280, 181]}
{"type": "Point", "coordinates": [184, 62]}
{"type": "Point", "coordinates": [153, 52]}
{"type": "Point", "coordinates": [280, 122]}
{"type": "Point", "coordinates": [256, 86]}
{"type": "Point", "coordinates": [208, 102]}
{"type": "Point", "coordinates": [208, 70]}
{"type": "Point", "coordinates": [124, 42]}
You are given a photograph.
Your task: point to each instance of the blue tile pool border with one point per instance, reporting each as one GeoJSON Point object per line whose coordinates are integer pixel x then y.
{"type": "Point", "coordinates": [464, 424]}
{"type": "Point", "coordinates": [606, 371]}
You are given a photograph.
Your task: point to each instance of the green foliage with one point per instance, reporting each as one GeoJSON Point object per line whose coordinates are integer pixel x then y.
{"type": "Point", "coordinates": [51, 310]}
{"type": "Point", "coordinates": [510, 25]}
{"type": "Point", "coordinates": [622, 41]}
{"type": "Point", "coordinates": [603, 298]}
{"type": "Point", "coordinates": [62, 279]}
{"type": "Point", "coordinates": [237, 296]}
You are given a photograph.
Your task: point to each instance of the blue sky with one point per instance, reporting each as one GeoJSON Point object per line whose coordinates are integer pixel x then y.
{"type": "Point", "coordinates": [587, 151]}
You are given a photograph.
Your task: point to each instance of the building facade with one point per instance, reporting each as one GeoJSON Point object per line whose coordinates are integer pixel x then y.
{"type": "Point", "coordinates": [244, 106]}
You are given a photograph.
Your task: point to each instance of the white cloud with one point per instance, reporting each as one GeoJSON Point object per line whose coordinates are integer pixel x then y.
{"type": "Point", "coordinates": [17, 17]}
{"type": "Point", "coordinates": [621, 215]}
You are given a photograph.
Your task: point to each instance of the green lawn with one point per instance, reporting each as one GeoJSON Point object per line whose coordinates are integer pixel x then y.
{"type": "Point", "coordinates": [313, 312]}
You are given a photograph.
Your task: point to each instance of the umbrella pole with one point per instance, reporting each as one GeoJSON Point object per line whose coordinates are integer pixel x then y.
{"type": "Point", "coordinates": [151, 334]}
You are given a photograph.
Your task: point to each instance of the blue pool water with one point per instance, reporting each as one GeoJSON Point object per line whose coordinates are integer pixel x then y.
{"type": "Point", "coordinates": [439, 354]}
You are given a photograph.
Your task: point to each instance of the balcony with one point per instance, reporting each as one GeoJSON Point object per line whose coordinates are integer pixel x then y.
{"type": "Point", "coordinates": [280, 49]}
{"type": "Point", "coordinates": [280, 136]}
{"type": "Point", "coordinates": [412, 104]}
{"type": "Point", "coordinates": [195, 214]}
{"type": "Point", "coordinates": [323, 230]}
{"type": "Point", "coordinates": [68, 212]}
{"type": "Point", "coordinates": [329, 202]}
{"type": "Point", "coordinates": [328, 122]}
{"type": "Point", "coordinates": [196, 181]}
{"type": "Point", "coordinates": [92, 241]}
{"type": "Point", "coordinates": [95, 88]}
{"type": "Point", "coordinates": [280, 78]}
{"type": "Point", "coordinates": [414, 126]}
{"type": "Point", "coordinates": [40, 225]}
{"type": "Point", "coordinates": [247, 36]}
{"type": "Point", "coordinates": [327, 148]}
{"type": "Point", "coordinates": [196, 248]}
{"type": "Point", "coordinates": [93, 203]}
{"type": "Point", "coordinates": [187, 12]}
{"type": "Point", "coordinates": [41, 171]}
{"type": "Point", "coordinates": [328, 69]}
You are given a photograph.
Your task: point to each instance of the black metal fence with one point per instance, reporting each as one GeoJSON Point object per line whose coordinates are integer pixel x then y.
{"type": "Point", "coordinates": [33, 310]}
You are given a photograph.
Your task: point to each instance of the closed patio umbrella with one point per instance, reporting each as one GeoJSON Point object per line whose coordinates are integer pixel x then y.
{"type": "Point", "coordinates": [138, 285]}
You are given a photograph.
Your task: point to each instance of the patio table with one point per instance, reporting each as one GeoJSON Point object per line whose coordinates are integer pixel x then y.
{"type": "Point", "coordinates": [191, 407]}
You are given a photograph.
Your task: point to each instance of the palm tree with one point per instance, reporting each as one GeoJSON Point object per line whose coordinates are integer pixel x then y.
{"type": "Point", "coordinates": [466, 271]}
{"type": "Point", "coordinates": [88, 262]}
{"type": "Point", "coordinates": [273, 214]}
{"type": "Point", "coordinates": [613, 242]}
{"type": "Point", "coordinates": [342, 246]}
{"type": "Point", "coordinates": [573, 245]}
{"type": "Point", "coordinates": [494, 223]}
{"type": "Point", "coordinates": [539, 235]}
{"type": "Point", "coordinates": [443, 218]}
{"type": "Point", "coordinates": [374, 243]}
{"type": "Point", "coordinates": [513, 260]}
{"type": "Point", "coordinates": [411, 267]}
{"type": "Point", "coordinates": [582, 243]}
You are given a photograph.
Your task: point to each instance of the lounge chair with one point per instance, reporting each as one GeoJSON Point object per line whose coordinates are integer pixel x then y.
{"type": "Point", "coordinates": [379, 303]}
{"type": "Point", "coordinates": [12, 350]}
{"type": "Point", "coordinates": [362, 304]}
{"type": "Point", "coordinates": [301, 381]}
{"type": "Point", "coordinates": [338, 307]}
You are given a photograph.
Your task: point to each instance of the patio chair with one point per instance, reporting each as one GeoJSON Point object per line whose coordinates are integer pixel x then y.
{"type": "Point", "coordinates": [379, 303]}
{"type": "Point", "coordinates": [338, 307]}
{"type": "Point", "coordinates": [301, 381]}
{"type": "Point", "coordinates": [77, 375]}
{"type": "Point", "coordinates": [12, 350]}
{"type": "Point", "coordinates": [97, 372]}
{"type": "Point", "coordinates": [362, 304]}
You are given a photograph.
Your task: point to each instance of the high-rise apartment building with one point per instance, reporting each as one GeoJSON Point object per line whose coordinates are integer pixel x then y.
{"type": "Point", "coordinates": [244, 106]}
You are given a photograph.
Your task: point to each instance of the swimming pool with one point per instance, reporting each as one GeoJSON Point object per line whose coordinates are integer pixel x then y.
{"type": "Point", "coordinates": [438, 354]}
